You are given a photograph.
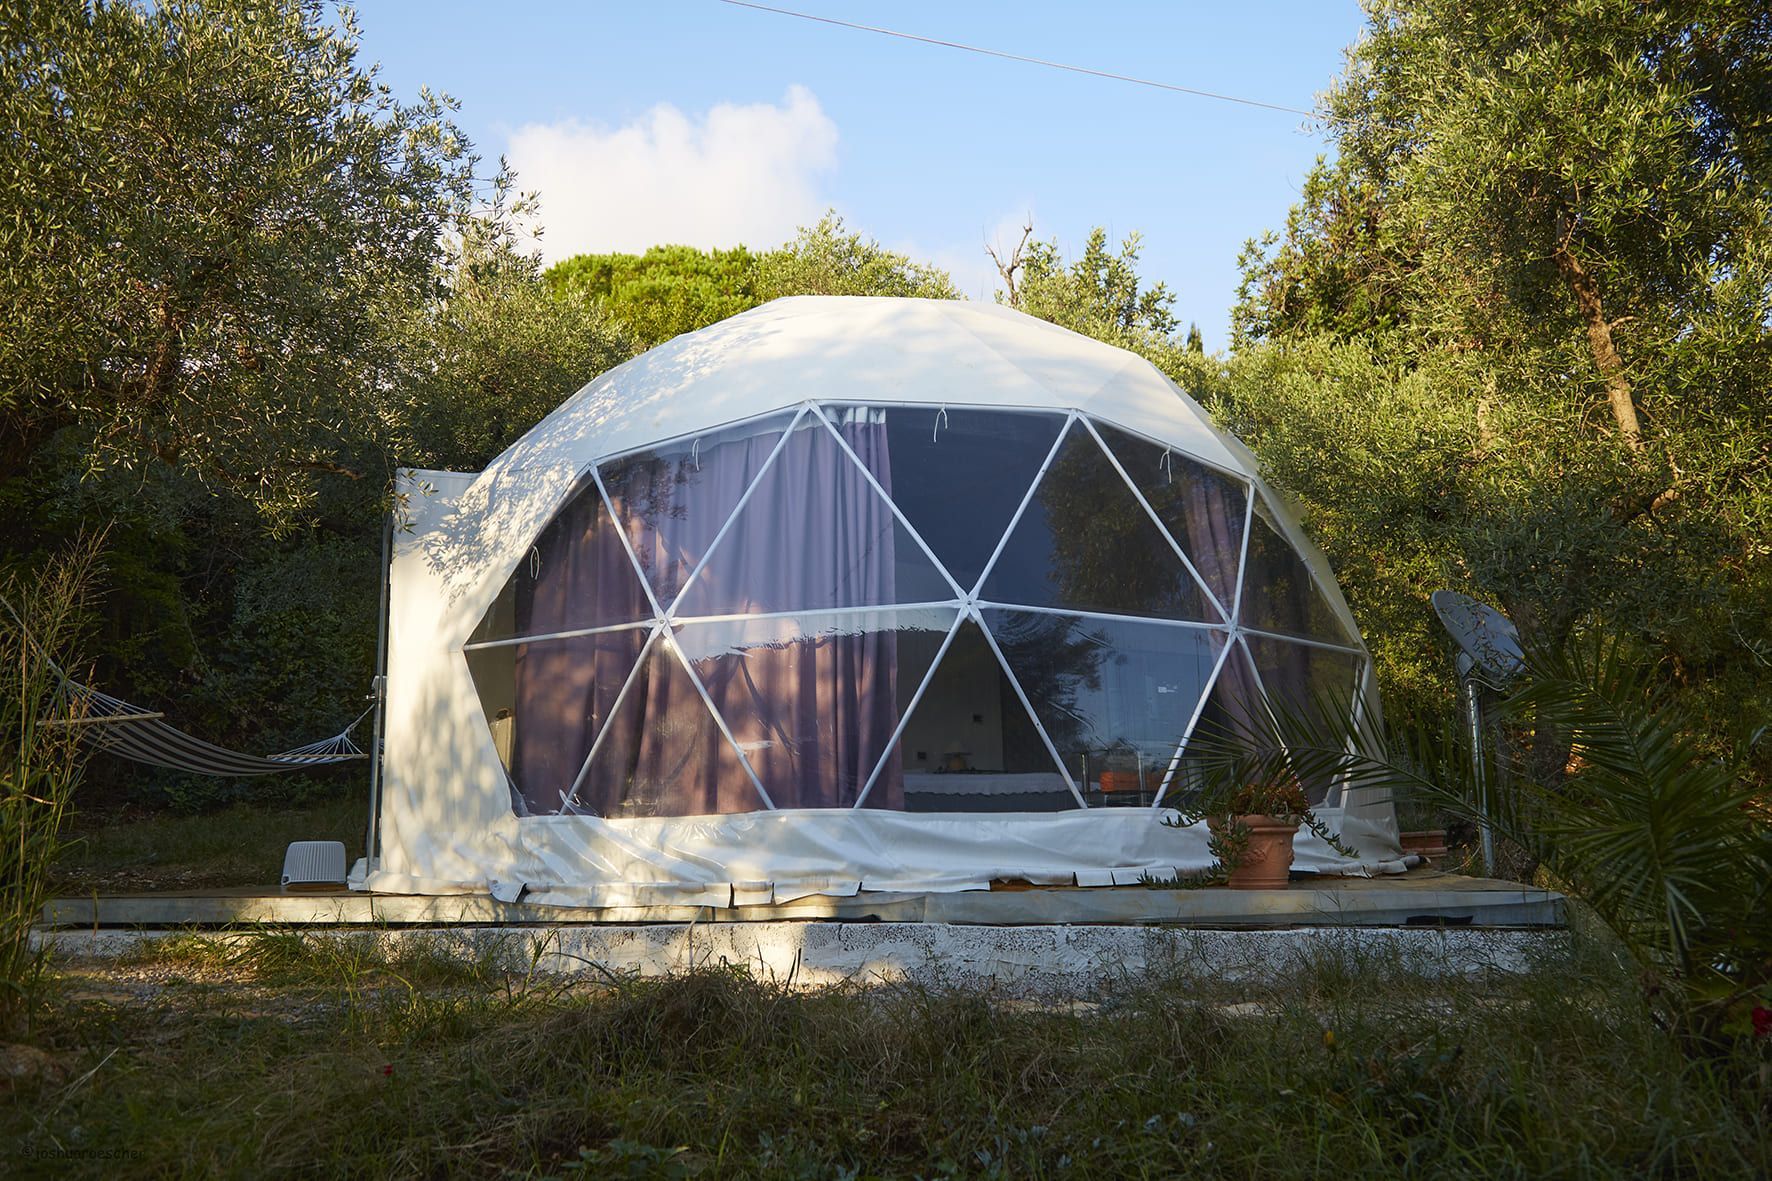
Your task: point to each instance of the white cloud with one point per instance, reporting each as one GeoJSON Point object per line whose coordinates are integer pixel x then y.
{"type": "Point", "coordinates": [738, 174]}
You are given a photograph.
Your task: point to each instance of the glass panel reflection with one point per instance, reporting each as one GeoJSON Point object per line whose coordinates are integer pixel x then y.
{"type": "Point", "coordinates": [1085, 543]}
{"type": "Point", "coordinates": [1115, 697]}
{"type": "Point", "coordinates": [1203, 509]}
{"type": "Point", "coordinates": [546, 701]}
{"type": "Point", "coordinates": [663, 754]}
{"type": "Point", "coordinates": [1279, 593]}
{"type": "Point", "coordinates": [574, 575]}
{"type": "Point", "coordinates": [673, 499]}
{"type": "Point", "coordinates": [814, 536]}
{"type": "Point", "coordinates": [813, 700]}
{"type": "Point", "coordinates": [1305, 679]}
{"type": "Point", "coordinates": [1234, 714]}
{"type": "Point", "coordinates": [969, 746]}
{"type": "Point", "coordinates": [956, 475]}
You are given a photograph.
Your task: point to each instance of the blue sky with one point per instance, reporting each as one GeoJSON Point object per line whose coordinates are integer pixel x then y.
{"type": "Point", "coordinates": [693, 121]}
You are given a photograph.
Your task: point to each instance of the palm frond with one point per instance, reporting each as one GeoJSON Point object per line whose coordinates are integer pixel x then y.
{"type": "Point", "coordinates": [1318, 741]}
{"type": "Point", "coordinates": [1659, 836]}
{"type": "Point", "coordinates": [1661, 840]}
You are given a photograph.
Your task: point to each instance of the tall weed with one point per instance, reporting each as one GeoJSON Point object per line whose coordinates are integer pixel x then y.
{"type": "Point", "coordinates": [41, 755]}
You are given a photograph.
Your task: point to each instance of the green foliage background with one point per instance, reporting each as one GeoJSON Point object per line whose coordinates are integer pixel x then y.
{"type": "Point", "coordinates": [1513, 339]}
{"type": "Point", "coordinates": [240, 281]}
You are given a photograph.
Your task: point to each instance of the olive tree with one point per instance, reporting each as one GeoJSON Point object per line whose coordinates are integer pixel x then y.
{"type": "Point", "coordinates": [1529, 300]}
{"type": "Point", "coordinates": [207, 208]}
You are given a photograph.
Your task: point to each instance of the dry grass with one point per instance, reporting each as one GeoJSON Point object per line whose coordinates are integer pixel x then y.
{"type": "Point", "coordinates": [287, 1055]}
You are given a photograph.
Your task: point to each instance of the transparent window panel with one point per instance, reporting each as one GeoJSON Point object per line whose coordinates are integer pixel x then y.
{"type": "Point", "coordinates": [1086, 544]}
{"type": "Point", "coordinates": [1115, 697]}
{"type": "Point", "coordinates": [813, 536]}
{"type": "Point", "coordinates": [1305, 680]}
{"type": "Point", "coordinates": [672, 500]}
{"type": "Point", "coordinates": [956, 475]}
{"type": "Point", "coordinates": [663, 753]}
{"type": "Point", "coordinates": [1279, 593]}
{"type": "Point", "coordinates": [969, 745]}
{"type": "Point", "coordinates": [574, 575]}
{"type": "Point", "coordinates": [1233, 714]}
{"type": "Point", "coordinates": [546, 701]}
{"type": "Point", "coordinates": [1202, 509]}
{"type": "Point", "coordinates": [813, 700]}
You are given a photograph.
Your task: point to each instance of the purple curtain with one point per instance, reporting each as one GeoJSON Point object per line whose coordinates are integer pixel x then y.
{"type": "Point", "coordinates": [1215, 532]}
{"type": "Point", "coordinates": [576, 572]}
{"type": "Point", "coordinates": [813, 714]}
{"type": "Point", "coordinates": [664, 755]}
{"type": "Point", "coordinates": [674, 502]}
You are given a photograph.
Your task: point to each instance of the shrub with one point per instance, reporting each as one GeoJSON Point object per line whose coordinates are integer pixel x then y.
{"type": "Point", "coordinates": [1670, 847]}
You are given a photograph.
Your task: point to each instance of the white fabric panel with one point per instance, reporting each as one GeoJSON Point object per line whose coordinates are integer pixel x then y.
{"type": "Point", "coordinates": [795, 851]}
{"type": "Point", "coordinates": [862, 350]}
{"type": "Point", "coordinates": [446, 820]}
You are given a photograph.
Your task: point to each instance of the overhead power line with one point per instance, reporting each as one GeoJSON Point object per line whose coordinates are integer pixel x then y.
{"type": "Point", "coordinates": [1032, 61]}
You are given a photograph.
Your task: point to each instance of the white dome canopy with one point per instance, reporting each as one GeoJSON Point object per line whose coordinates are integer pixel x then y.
{"type": "Point", "coordinates": [844, 594]}
{"type": "Point", "coordinates": [868, 350]}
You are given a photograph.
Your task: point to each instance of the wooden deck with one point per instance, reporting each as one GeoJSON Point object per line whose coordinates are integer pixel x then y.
{"type": "Point", "coordinates": [1420, 898]}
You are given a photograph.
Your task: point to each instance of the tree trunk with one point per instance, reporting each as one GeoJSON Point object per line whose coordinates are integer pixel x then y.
{"type": "Point", "coordinates": [1539, 754]}
{"type": "Point", "coordinates": [1599, 342]}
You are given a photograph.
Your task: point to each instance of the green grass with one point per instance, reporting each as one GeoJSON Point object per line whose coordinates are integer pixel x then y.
{"type": "Point", "coordinates": [236, 846]}
{"type": "Point", "coordinates": [284, 1054]}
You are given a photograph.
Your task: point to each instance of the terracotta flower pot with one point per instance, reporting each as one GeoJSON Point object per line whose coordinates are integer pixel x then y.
{"type": "Point", "coordinates": [1268, 859]}
{"type": "Point", "coordinates": [1427, 842]}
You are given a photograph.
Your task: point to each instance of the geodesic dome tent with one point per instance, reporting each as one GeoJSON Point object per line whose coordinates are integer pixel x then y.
{"type": "Point", "coordinates": [844, 594]}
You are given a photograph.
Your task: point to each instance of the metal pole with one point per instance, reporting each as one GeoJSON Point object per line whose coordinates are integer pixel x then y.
{"type": "Point", "coordinates": [1474, 715]}
{"type": "Point", "coordinates": [379, 691]}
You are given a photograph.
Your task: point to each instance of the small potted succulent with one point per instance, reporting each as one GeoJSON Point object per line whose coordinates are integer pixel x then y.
{"type": "Point", "coordinates": [1253, 826]}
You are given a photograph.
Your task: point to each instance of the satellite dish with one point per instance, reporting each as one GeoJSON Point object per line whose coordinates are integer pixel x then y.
{"type": "Point", "coordinates": [1488, 641]}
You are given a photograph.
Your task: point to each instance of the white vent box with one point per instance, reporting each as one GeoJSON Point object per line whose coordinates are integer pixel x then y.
{"type": "Point", "coordinates": [314, 865]}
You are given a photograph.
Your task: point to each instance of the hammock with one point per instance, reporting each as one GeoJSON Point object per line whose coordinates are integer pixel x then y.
{"type": "Point", "coordinates": [131, 732]}
{"type": "Point", "coordinates": [119, 728]}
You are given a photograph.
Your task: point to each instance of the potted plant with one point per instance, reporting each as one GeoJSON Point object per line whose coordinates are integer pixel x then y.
{"type": "Point", "coordinates": [1423, 829]}
{"type": "Point", "coordinates": [1252, 828]}
{"type": "Point", "coordinates": [1426, 843]}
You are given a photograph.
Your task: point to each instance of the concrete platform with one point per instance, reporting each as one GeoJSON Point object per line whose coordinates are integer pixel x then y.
{"type": "Point", "coordinates": [1422, 897]}
{"type": "Point", "coordinates": [1086, 963]}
